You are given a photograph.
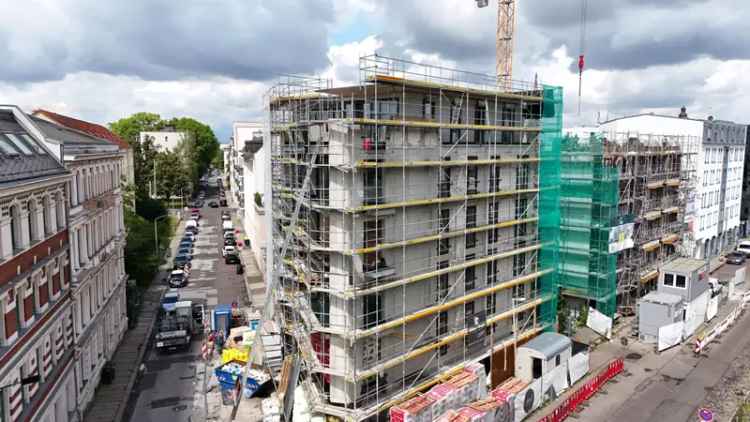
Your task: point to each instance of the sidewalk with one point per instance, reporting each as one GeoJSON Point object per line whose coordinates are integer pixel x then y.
{"type": "Point", "coordinates": [110, 401]}
{"type": "Point", "coordinates": [662, 387]}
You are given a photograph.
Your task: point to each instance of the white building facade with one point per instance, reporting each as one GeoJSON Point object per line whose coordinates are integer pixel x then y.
{"type": "Point", "coordinates": [97, 239]}
{"type": "Point", "coordinates": [164, 140]}
{"type": "Point", "coordinates": [714, 206]}
{"type": "Point", "coordinates": [247, 185]}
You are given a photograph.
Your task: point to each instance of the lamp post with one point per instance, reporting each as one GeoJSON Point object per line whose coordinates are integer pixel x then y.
{"type": "Point", "coordinates": [32, 379]}
{"type": "Point", "coordinates": [156, 232]}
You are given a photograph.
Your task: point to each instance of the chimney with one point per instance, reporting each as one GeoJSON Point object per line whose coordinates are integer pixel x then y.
{"type": "Point", "coordinates": [683, 113]}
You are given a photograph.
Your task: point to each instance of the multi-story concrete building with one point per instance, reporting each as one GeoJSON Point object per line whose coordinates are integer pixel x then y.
{"type": "Point", "coordinates": [714, 210]}
{"type": "Point", "coordinates": [97, 237]}
{"type": "Point", "coordinates": [745, 203]}
{"type": "Point", "coordinates": [406, 228]}
{"type": "Point", "coordinates": [247, 182]}
{"type": "Point", "coordinates": [37, 335]}
{"type": "Point", "coordinates": [623, 205]}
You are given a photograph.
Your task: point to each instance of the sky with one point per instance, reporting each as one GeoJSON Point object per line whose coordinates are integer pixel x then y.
{"type": "Point", "coordinates": [100, 60]}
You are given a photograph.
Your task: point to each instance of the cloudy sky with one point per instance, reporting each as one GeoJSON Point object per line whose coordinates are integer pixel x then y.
{"type": "Point", "coordinates": [213, 59]}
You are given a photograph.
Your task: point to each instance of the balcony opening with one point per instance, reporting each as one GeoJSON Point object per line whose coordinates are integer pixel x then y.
{"type": "Point", "coordinates": [444, 181]}
{"type": "Point", "coordinates": [472, 177]}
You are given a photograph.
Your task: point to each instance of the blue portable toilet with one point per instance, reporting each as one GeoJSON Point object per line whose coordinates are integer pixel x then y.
{"type": "Point", "coordinates": [222, 319]}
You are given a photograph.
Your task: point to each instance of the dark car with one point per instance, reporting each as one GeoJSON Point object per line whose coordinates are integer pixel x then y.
{"type": "Point", "coordinates": [232, 258]}
{"type": "Point", "coordinates": [177, 280]}
{"type": "Point", "coordinates": [230, 241]}
{"type": "Point", "coordinates": [223, 202]}
{"type": "Point", "coordinates": [186, 250]}
{"type": "Point", "coordinates": [736, 258]}
{"type": "Point", "coordinates": [180, 262]}
{"type": "Point", "coordinates": [186, 255]}
{"type": "Point", "coordinates": [213, 204]}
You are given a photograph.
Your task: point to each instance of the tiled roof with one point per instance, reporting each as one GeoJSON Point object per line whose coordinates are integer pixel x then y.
{"type": "Point", "coordinates": [92, 129]}
{"type": "Point", "coordinates": [68, 136]}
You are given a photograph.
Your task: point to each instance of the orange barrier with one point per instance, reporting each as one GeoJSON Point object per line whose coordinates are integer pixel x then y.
{"type": "Point", "coordinates": [585, 392]}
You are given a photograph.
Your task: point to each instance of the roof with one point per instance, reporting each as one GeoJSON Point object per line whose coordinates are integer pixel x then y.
{"type": "Point", "coordinates": [663, 298]}
{"type": "Point", "coordinates": [548, 344]}
{"type": "Point", "coordinates": [69, 137]}
{"type": "Point", "coordinates": [92, 129]}
{"type": "Point", "coordinates": [23, 157]}
{"type": "Point", "coordinates": [684, 265]}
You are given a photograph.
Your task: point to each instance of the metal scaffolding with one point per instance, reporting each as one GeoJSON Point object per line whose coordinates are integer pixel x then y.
{"type": "Point", "coordinates": [630, 185]}
{"type": "Point", "coordinates": [406, 228]}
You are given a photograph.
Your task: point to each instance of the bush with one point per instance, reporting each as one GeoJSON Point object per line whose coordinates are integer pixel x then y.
{"type": "Point", "coordinates": [258, 199]}
{"type": "Point", "coordinates": [141, 258]}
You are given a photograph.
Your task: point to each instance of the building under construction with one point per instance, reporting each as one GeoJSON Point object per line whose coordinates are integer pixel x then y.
{"type": "Point", "coordinates": [624, 204]}
{"type": "Point", "coordinates": [406, 226]}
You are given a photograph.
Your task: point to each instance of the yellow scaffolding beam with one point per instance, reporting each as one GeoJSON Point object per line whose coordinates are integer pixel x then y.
{"type": "Point", "coordinates": [424, 124]}
{"type": "Point", "coordinates": [450, 304]}
{"type": "Point", "coordinates": [434, 201]}
{"type": "Point", "coordinates": [441, 163]}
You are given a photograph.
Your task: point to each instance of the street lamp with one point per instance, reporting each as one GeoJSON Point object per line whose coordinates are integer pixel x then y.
{"type": "Point", "coordinates": [32, 379]}
{"type": "Point", "coordinates": [156, 232]}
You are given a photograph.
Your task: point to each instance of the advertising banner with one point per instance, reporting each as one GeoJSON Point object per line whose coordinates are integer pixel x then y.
{"type": "Point", "coordinates": [621, 237]}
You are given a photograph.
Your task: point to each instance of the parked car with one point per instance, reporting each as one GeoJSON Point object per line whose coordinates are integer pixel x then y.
{"type": "Point", "coordinates": [213, 204]}
{"type": "Point", "coordinates": [186, 243]}
{"type": "Point", "coordinates": [187, 250]}
{"type": "Point", "coordinates": [186, 255]}
{"type": "Point", "coordinates": [178, 278]}
{"type": "Point", "coordinates": [226, 217]}
{"type": "Point", "coordinates": [232, 258]}
{"type": "Point", "coordinates": [223, 202]}
{"type": "Point", "coordinates": [189, 236]}
{"type": "Point", "coordinates": [744, 247]}
{"type": "Point", "coordinates": [736, 258]}
{"type": "Point", "coordinates": [228, 234]}
{"type": "Point", "coordinates": [230, 241]}
{"type": "Point", "coordinates": [181, 262]}
{"type": "Point", "coordinates": [228, 250]}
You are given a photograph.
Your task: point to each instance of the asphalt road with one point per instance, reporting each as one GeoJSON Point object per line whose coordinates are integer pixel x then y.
{"type": "Point", "coordinates": [679, 381]}
{"type": "Point", "coordinates": [170, 387]}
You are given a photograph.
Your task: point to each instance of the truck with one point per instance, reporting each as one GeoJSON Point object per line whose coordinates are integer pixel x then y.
{"type": "Point", "coordinates": [176, 327]}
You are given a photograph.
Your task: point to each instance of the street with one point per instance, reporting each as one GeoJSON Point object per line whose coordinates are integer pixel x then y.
{"type": "Point", "coordinates": [672, 385]}
{"type": "Point", "coordinates": [172, 384]}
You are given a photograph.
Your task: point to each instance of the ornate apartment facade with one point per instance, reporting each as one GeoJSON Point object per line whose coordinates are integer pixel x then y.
{"type": "Point", "coordinates": [36, 336]}
{"type": "Point", "coordinates": [97, 240]}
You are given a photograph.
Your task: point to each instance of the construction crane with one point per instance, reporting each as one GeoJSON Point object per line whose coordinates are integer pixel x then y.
{"type": "Point", "coordinates": [506, 26]}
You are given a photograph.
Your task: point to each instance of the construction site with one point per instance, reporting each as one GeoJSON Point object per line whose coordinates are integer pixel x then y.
{"type": "Point", "coordinates": [624, 200]}
{"type": "Point", "coordinates": [407, 235]}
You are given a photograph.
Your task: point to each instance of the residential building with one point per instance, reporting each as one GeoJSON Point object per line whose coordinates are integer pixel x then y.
{"type": "Point", "coordinates": [164, 140]}
{"type": "Point", "coordinates": [97, 238]}
{"type": "Point", "coordinates": [248, 183]}
{"type": "Point", "coordinates": [226, 150]}
{"type": "Point", "coordinates": [623, 202]}
{"type": "Point", "coordinates": [36, 337]}
{"type": "Point", "coordinates": [98, 131]}
{"type": "Point", "coordinates": [745, 203]}
{"type": "Point", "coordinates": [406, 228]}
{"type": "Point", "coordinates": [714, 210]}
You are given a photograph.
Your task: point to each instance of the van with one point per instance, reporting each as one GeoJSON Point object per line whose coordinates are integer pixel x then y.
{"type": "Point", "coordinates": [744, 247]}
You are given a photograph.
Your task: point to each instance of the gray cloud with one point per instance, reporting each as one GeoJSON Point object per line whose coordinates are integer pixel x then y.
{"type": "Point", "coordinates": [164, 39]}
{"type": "Point", "coordinates": [621, 34]}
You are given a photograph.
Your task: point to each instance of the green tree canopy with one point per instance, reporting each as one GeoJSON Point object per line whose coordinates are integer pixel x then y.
{"type": "Point", "coordinates": [176, 171]}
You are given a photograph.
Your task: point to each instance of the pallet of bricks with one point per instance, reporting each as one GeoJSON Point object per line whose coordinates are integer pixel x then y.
{"type": "Point", "coordinates": [464, 398]}
{"type": "Point", "coordinates": [466, 386]}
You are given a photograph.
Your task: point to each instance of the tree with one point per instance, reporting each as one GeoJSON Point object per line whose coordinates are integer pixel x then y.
{"type": "Point", "coordinates": [130, 128]}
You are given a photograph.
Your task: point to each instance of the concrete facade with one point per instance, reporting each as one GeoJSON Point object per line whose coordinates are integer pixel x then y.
{"type": "Point", "coordinates": [414, 249]}
{"type": "Point", "coordinates": [720, 158]}
{"type": "Point", "coordinates": [36, 337]}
